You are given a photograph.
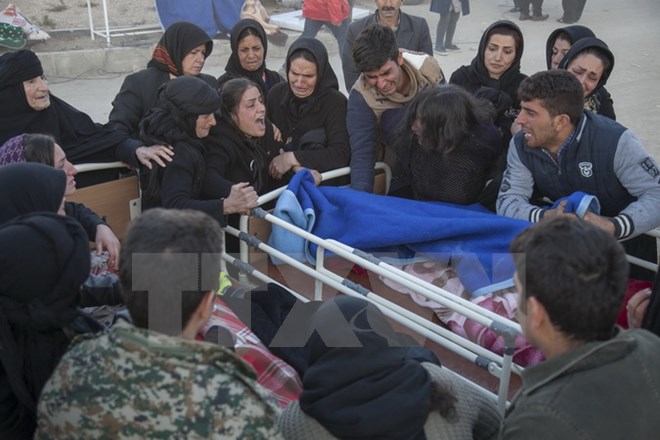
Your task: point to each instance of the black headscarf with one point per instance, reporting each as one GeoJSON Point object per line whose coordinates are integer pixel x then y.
{"type": "Point", "coordinates": [178, 39]}
{"type": "Point", "coordinates": [326, 78]}
{"type": "Point", "coordinates": [29, 187]}
{"type": "Point", "coordinates": [374, 391]}
{"type": "Point", "coordinates": [586, 43]}
{"type": "Point", "coordinates": [574, 32]}
{"type": "Point", "coordinates": [44, 259]}
{"type": "Point", "coordinates": [233, 69]}
{"type": "Point", "coordinates": [173, 120]}
{"type": "Point", "coordinates": [81, 139]}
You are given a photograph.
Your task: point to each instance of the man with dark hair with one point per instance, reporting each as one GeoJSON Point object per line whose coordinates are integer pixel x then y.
{"type": "Point", "coordinates": [151, 378]}
{"type": "Point", "coordinates": [411, 33]}
{"type": "Point", "coordinates": [390, 80]}
{"type": "Point", "coordinates": [594, 383]}
{"type": "Point", "coordinates": [562, 149]}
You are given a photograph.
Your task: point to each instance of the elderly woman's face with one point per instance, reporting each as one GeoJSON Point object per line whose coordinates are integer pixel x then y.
{"type": "Point", "coordinates": [204, 124]}
{"type": "Point", "coordinates": [250, 53]}
{"type": "Point", "coordinates": [193, 63]}
{"type": "Point", "coordinates": [250, 114]}
{"type": "Point", "coordinates": [37, 93]}
{"type": "Point", "coordinates": [302, 77]}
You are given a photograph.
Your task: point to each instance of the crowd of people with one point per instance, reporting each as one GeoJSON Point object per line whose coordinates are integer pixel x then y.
{"type": "Point", "coordinates": [205, 149]}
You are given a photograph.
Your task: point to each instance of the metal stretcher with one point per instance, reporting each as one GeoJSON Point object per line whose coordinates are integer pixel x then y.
{"type": "Point", "coordinates": [500, 367]}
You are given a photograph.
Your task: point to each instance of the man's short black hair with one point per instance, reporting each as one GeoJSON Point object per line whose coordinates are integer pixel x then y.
{"type": "Point", "coordinates": [374, 47]}
{"type": "Point", "coordinates": [559, 91]}
{"type": "Point", "coordinates": [577, 271]}
{"type": "Point", "coordinates": [170, 259]}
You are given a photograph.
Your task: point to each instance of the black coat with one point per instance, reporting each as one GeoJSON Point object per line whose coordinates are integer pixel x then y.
{"type": "Point", "coordinates": [85, 216]}
{"type": "Point", "coordinates": [232, 158]}
{"type": "Point", "coordinates": [138, 95]}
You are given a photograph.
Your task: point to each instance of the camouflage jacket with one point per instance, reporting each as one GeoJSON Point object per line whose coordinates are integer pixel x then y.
{"type": "Point", "coordinates": [134, 383]}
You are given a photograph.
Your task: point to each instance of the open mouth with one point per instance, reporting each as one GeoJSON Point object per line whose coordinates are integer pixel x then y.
{"type": "Point", "coordinates": [261, 122]}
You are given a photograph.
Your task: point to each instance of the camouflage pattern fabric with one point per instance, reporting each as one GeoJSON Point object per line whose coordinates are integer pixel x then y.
{"type": "Point", "coordinates": [133, 383]}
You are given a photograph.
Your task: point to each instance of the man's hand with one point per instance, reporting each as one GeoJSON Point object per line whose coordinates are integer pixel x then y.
{"type": "Point", "coordinates": [242, 198]}
{"type": "Point", "coordinates": [560, 210]}
{"type": "Point", "coordinates": [637, 306]}
{"type": "Point", "coordinates": [157, 153]}
{"type": "Point", "coordinates": [601, 222]}
{"type": "Point", "coordinates": [106, 239]}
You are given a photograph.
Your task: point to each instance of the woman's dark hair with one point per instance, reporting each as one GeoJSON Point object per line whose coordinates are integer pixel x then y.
{"type": "Point", "coordinates": [448, 114]}
{"type": "Point", "coordinates": [39, 148]}
{"type": "Point", "coordinates": [230, 96]}
{"type": "Point", "coordinates": [599, 53]}
{"type": "Point", "coordinates": [304, 54]}
{"type": "Point", "coordinates": [247, 32]}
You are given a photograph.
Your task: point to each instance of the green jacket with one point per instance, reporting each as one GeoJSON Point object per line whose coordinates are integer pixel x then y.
{"type": "Point", "coordinates": [134, 383]}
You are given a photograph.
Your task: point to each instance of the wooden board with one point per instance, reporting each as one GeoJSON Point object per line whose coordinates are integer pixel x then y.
{"type": "Point", "coordinates": [113, 201]}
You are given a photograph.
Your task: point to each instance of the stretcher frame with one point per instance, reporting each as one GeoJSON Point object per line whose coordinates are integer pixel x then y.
{"type": "Point", "coordinates": [501, 367]}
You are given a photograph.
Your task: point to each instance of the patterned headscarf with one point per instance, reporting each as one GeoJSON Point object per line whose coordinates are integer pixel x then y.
{"type": "Point", "coordinates": [12, 151]}
{"type": "Point", "coordinates": [179, 39]}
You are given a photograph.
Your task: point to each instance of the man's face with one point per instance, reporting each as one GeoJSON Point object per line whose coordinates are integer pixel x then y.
{"type": "Point", "coordinates": [537, 124]}
{"type": "Point", "coordinates": [388, 8]}
{"type": "Point", "coordinates": [386, 79]}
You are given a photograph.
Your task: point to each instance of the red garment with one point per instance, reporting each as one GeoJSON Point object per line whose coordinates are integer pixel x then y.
{"type": "Point", "coordinates": [633, 287]}
{"type": "Point", "coordinates": [273, 373]}
{"type": "Point", "coordinates": [330, 11]}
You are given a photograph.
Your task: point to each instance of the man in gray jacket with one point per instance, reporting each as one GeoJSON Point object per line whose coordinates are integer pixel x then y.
{"type": "Point", "coordinates": [562, 149]}
{"type": "Point", "coordinates": [596, 382]}
{"type": "Point", "coordinates": [412, 33]}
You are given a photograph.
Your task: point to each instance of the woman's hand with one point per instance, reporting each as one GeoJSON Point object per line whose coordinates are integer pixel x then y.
{"type": "Point", "coordinates": [242, 199]}
{"type": "Point", "coordinates": [281, 164]}
{"type": "Point", "coordinates": [157, 153]}
{"type": "Point", "coordinates": [106, 239]}
{"type": "Point", "coordinates": [277, 134]}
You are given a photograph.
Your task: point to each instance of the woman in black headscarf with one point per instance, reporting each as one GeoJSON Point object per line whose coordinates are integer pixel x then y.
{"type": "Point", "coordinates": [183, 116]}
{"type": "Point", "coordinates": [34, 308]}
{"type": "Point", "coordinates": [364, 383]}
{"type": "Point", "coordinates": [310, 112]}
{"type": "Point", "coordinates": [591, 61]}
{"type": "Point", "coordinates": [494, 73]}
{"type": "Point", "coordinates": [248, 56]}
{"type": "Point", "coordinates": [561, 40]}
{"type": "Point", "coordinates": [182, 50]}
{"type": "Point", "coordinates": [30, 187]}
{"type": "Point", "coordinates": [35, 110]}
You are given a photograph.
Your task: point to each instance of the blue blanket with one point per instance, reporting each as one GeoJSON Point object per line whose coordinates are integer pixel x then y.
{"type": "Point", "coordinates": [214, 16]}
{"type": "Point", "coordinates": [474, 240]}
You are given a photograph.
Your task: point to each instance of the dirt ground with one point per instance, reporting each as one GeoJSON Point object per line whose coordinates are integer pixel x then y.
{"type": "Point", "coordinates": [67, 21]}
